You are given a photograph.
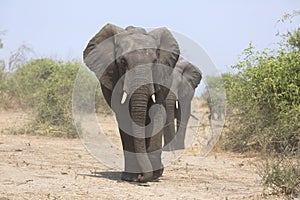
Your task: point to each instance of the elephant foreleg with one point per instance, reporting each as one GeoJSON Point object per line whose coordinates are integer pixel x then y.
{"type": "Point", "coordinates": [169, 129]}
{"type": "Point", "coordinates": [132, 169]}
{"type": "Point", "coordinates": [154, 142]}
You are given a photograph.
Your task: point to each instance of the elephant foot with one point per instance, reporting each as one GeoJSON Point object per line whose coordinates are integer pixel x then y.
{"type": "Point", "coordinates": [142, 178]}
{"type": "Point", "coordinates": [130, 177]}
{"type": "Point", "coordinates": [145, 177]}
{"type": "Point", "coordinates": [157, 173]}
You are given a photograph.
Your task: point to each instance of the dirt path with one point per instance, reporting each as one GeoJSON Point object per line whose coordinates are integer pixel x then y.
{"type": "Point", "coordinates": [54, 168]}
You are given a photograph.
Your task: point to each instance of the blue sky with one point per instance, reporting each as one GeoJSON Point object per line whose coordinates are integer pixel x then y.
{"type": "Point", "coordinates": [61, 29]}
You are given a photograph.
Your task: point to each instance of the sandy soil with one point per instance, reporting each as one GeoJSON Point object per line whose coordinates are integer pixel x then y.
{"type": "Point", "coordinates": [54, 168]}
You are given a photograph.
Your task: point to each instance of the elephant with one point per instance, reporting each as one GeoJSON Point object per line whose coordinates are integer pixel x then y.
{"type": "Point", "coordinates": [186, 78]}
{"type": "Point", "coordinates": [134, 68]}
{"type": "Point", "coordinates": [216, 107]}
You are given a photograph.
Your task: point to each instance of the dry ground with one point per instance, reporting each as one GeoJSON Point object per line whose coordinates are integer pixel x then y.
{"type": "Point", "coordinates": [34, 167]}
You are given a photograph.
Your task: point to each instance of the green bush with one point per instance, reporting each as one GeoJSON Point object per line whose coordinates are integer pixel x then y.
{"type": "Point", "coordinates": [263, 112]}
{"type": "Point", "coordinates": [28, 82]}
{"type": "Point", "coordinates": [55, 105]}
{"type": "Point", "coordinates": [265, 94]}
{"type": "Point", "coordinates": [46, 86]}
{"type": "Point", "coordinates": [281, 175]}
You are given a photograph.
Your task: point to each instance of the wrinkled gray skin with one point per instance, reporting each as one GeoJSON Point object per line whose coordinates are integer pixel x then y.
{"type": "Point", "coordinates": [186, 78]}
{"type": "Point", "coordinates": [142, 155]}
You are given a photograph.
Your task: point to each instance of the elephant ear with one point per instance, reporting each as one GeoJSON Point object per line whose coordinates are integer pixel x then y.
{"type": "Point", "coordinates": [168, 48]}
{"type": "Point", "coordinates": [168, 53]}
{"type": "Point", "coordinates": [191, 73]}
{"type": "Point", "coordinates": [99, 55]}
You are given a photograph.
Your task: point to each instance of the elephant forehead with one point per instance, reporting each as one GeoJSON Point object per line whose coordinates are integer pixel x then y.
{"type": "Point", "coordinates": [140, 56]}
{"type": "Point", "coordinates": [132, 42]}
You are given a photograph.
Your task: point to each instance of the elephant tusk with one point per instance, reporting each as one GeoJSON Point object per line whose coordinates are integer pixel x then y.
{"type": "Point", "coordinates": [153, 98]}
{"type": "Point", "coordinates": [177, 106]}
{"type": "Point", "coordinates": [124, 97]}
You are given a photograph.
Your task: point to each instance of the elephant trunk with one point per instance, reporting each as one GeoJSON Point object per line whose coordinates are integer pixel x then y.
{"type": "Point", "coordinates": [136, 77]}
{"type": "Point", "coordinates": [138, 105]}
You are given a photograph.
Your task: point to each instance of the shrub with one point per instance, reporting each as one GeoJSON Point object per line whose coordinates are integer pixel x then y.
{"type": "Point", "coordinates": [46, 86]}
{"type": "Point", "coordinates": [264, 112]}
{"type": "Point", "coordinates": [28, 82]}
{"type": "Point", "coordinates": [281, 175]}
{"type": "Point", "coordinates": [265, 94]}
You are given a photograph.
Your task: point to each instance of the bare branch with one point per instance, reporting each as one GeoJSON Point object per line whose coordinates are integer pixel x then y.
{"type": "Point", "coordinates": [19, 57]}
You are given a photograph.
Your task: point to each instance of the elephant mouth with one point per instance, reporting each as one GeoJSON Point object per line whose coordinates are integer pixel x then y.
{"type": "Point", "coordinates": [125, 95]}
{"type": "Point", "coordinates": [135, 78]}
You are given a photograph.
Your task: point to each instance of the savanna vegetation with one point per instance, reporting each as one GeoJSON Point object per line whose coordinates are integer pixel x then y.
{"type": "Point", "coordinates": [44, 88]}
{"type": "Point", "coordinates": [263, 111]}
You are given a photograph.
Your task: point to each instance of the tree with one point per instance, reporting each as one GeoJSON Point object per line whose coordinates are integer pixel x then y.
{"type": "Point", "coordinates": [19, 57]}
{"type": "Point", "coordinates": [1, 34]}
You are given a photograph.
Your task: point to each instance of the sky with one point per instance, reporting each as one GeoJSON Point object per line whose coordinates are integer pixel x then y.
{"type": "Point", "coordinates": [61, 29]}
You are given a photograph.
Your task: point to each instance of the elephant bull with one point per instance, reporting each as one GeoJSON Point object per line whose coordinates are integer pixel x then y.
{"type": "Point", "coordinates": [186, 78]}
{"type": "Point", "coordinates": [134, 68]}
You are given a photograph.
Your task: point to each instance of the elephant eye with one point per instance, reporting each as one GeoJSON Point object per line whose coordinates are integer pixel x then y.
{"type": "Point", "coordinates": [155, 61]}
{"type": "Point", "coordinates": [123, 61]}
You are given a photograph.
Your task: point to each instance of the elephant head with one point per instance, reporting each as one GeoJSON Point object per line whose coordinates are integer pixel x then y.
{"type": "Point", "coordinates": [186, 78]}
{"type": "Point", "coordinates": [124, 61]}
{"type": "Point", "coordinates": [113, 51]}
